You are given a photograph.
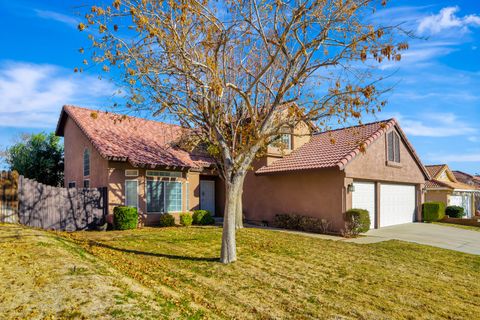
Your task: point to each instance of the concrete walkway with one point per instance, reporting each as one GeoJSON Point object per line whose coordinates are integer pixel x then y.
{"type": "Point", "coordinates": [446, 237]}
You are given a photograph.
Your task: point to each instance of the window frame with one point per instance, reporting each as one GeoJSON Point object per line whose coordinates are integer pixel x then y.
{"type": "Point", "coordinates": [74, 184]}
{"type": "Point", "coordinates": [164, 190]}
{"type": "Point", "coordinates": [86, 180]}
{"type": "Point", "coordinates": [86, 152]}
{"type": "Point", "coordinates": [163, 174]}
{"type": "Point", "coordinates": [131, 171]}
{"type": "Point", "coordinates": [393, 147]}
{"type": "Point", "coordinates": [126, 192]}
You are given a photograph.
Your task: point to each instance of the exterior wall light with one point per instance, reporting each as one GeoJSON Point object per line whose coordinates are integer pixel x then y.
{"type": "Point", "coordinates": [351, 188]}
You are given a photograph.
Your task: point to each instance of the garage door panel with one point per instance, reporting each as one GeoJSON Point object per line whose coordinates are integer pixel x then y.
{"type": "Point", "coordinates": [364, 198]}
{"type": "Point", "coordinates": [397, 204]}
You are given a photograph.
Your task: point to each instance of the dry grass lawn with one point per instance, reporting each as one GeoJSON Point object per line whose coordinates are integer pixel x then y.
{"type": "Point", "coordinates": [278, 275]}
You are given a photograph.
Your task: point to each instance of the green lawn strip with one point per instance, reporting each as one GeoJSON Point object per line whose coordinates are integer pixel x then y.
{"type": "Point", "coordinates": [460, 226]}
{"type": "Point", "coordinates": [280, 274]}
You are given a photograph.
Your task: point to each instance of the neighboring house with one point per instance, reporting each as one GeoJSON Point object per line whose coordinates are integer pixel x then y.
{"type": "Point", "coordinates": [445, 187]}
{"type": "Point", "coordinates": [372, 166]}
{"type": "Point", "coordinates": [472, 181]}
{"type": "Point", "coordinates": [137, 160]}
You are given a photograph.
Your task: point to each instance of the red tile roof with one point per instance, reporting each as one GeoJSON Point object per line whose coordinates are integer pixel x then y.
{"type": "Point", "coordinates": [434, 183]}
{"type": "Point", "coordinates": [434, 170]}
{"type": "Point", "coordinates": [466, 178]}
{"type": "Point", "coordinates": [141, 142]}
{"type": "Point", "coordinates": [336, 148]}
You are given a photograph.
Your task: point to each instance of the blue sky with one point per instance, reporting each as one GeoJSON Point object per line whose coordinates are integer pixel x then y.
{"type": "Point", "coordinates": [436, 97]}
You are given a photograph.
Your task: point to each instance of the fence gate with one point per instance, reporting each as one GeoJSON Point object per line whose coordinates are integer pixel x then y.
{"type": "Point", "coordinates": [8, 197]}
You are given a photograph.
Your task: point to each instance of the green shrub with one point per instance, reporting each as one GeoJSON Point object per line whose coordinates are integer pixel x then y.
{"type": "Point", "coordinates": [125, 218]}
{"type": "Point", "coordinates": [186, 219]}
{"type": "Point", "coordinates": [202, 217]}
{"type": "Point", "coordinates": [433, 211]}
{"type": "Point", "coordinates": [455, 211]}
{"type": "Point", "coordinates": [167, 220]}
{"type": "Point", "coordinates": [358, 221]}
{"type": "Point", "coordinates": [302, 223]}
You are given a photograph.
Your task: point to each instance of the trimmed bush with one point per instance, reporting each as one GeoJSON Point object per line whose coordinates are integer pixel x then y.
{"type": "Point", "coordinates": [125, 218]}
{"type": "Point", "coordinates": [302, 223]}
{"type": "Point", "coordinates": [186, 219]}
{"type": "Point", "coordinates": [358, 220]}
{"type": "Point", "coordinates": [167, 220]}
{"type": "Point", "coordinates": [202, 217]}
{"type": "Point", "coordinates": [433, 211]}
{"type": "Point", "coordinates": [455, 211]}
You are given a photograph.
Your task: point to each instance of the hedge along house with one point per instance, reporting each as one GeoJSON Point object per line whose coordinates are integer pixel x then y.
{"type": "Point", "coordinates": [445, 187]}
{"type": "Point", "coordinates": [138, 160]}
{"type": "Point", "coordinates": [372, 167]}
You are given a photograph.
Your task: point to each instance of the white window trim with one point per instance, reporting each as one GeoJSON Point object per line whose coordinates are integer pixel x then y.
{"type": "Point", "coordinates": [131, 175]}
{"type": "Point", "coordinates": [187, 195]}
{"type": "Point", "coordinates": [84, 184]}
{"type": "Point", "coordinates": [74, 183]}
{"type": "Point", "coordinates": [163, 174]}
{"type": "Point", "coordinates": [138, 194]}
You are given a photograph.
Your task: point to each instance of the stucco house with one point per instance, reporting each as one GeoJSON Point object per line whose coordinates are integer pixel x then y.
{"type": "Point", "coordinates": [472, 181]}
{"type": "Point", "coordinates": [371, 166]}
{"type": "Point", "coordinates": [138, 160]}
{"type": "Point", "coordinates": [446, 187]}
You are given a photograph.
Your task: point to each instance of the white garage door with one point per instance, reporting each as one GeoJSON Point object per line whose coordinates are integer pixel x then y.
{"type": "Point", "coordinates": [397, 204]}
{"type": "Point", "coordinates": [364, 198]}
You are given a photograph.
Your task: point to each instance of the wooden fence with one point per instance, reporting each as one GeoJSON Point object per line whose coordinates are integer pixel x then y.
{"type": "Point", "coordinates": [53, 208]}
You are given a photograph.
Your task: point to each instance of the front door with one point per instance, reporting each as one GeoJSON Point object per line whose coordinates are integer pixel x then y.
{"type": "Point", "coordinates": [207, 195]}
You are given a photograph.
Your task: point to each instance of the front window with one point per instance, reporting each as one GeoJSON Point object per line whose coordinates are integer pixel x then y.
{"type": "Point", "coordinates": [393, 147]}
{"type": "Point", "coordinates": [86, 163]}
{"type": "Point", "coordinates": [173, 196]}
{"type": "Point", "coordinates": [131, 193]}
{"type": "Point", "coordinates": [164, 196]}
{"type": "Point", "coordinates": [71, 184]}
{"type": "Point", "coordinates": [86, 183]}
{"type": "Point", "coordinates": [155, 196]}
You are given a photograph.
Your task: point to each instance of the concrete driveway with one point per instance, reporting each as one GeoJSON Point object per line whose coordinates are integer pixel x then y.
{"type": "Point", "coordinates": [429, 234]}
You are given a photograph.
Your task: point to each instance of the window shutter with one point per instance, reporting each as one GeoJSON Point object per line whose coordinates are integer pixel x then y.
{"type": "Point", "coordinates": [397, 148]}
{"type": "Point", "coordinates": [390, 146]}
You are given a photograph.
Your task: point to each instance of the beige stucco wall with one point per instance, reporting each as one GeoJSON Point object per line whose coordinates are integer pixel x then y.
{"type": "Point", "coordinates": [316, 193]}
{"type": "Point", "coordinates": [75, 143]}
{"type": "Point", "coordinates": [372, 165]}
{"type": "Point", "coordinates": [438, 196]}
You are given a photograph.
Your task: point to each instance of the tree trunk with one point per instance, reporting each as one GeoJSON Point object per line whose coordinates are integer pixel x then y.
{"type": "Point", "coordinates": [229, 248]}
{"type": "Point", "coordinates": [239, 207]}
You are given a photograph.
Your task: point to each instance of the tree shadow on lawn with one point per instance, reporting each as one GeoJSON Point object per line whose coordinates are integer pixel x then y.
{"type": "Point", "coordinates": [152, 254]}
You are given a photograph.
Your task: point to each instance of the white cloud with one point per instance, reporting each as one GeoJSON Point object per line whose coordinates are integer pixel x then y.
{"type": "Point", "coordinates": [435, 125]}
{"type": "Point", "coordinates": [473, 139]}
{"type": "Point", "coordinates": [446, 158]}
{"type": "Point", "coordinates": [56, 16]}
{"type": "Point", "coordinates": [32, 94]}
{"type": "Point", "coordinates": [445, 20]}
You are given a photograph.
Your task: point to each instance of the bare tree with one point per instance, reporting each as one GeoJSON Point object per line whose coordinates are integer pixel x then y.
{"type": "Point", "coordinates": [240, 72]}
